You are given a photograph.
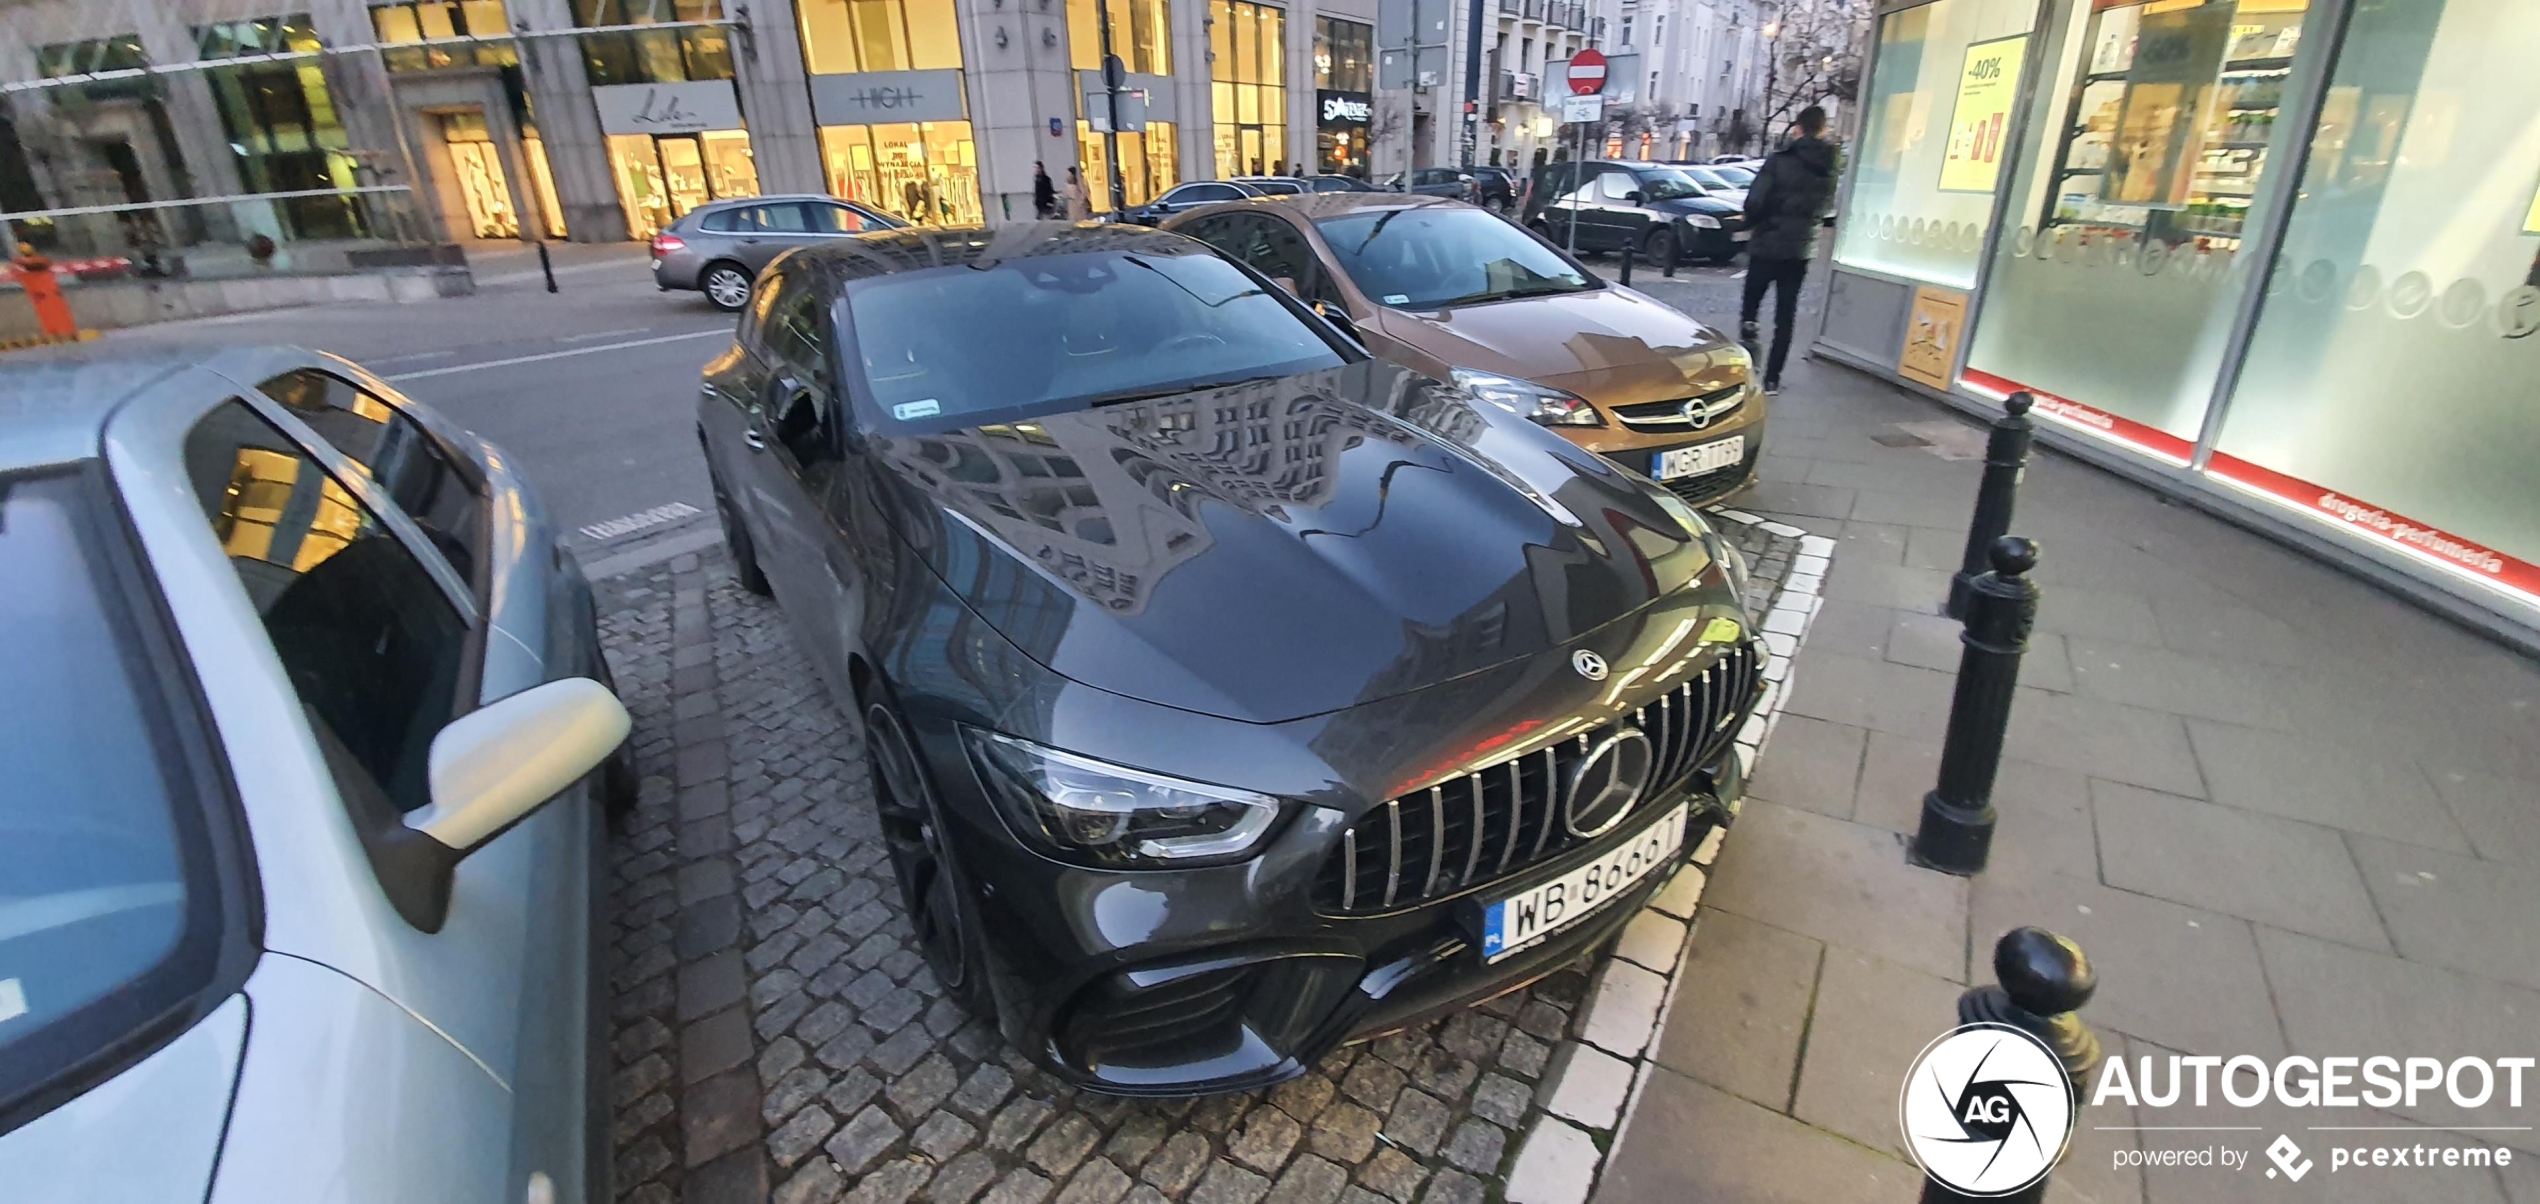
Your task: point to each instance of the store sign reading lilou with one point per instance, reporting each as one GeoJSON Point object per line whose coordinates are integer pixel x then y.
{"type": "Point", "coordinates": [1988, 88]}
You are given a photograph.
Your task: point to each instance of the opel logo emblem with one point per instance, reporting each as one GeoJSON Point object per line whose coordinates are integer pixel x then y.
{"type": "Point", "coordinates": [1590, 665]}
{"type": "Point", "coordinates": [1697, 415]}
{"type": "Point", "coordinates": [1607, 783]}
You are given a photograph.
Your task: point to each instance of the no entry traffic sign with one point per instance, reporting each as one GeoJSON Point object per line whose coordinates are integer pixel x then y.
{"type": "Point", "coordinates": [1587, 73]}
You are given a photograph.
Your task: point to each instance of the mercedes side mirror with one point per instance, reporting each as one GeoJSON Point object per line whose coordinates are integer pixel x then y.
{"type": "Point", "coordinates": [494, 765]}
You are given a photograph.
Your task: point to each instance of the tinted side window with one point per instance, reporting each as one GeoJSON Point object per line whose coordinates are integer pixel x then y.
{"type": "Point", "coordinates": [783, 219]}
{"type": "Point", "coordinates": [836, 219]}
{"type": "Point", "coordinates": [1616, 185]}
{"type": "Point", "coordinates": [722, 221]}
{"type": "Point", "coordinates": [1216, 232]}
{"type": "Point", "coordinates": [372, 647]}
{"type": "Point", "coordinates": [1209, 192]}
{"type": "Point", "coordinates": [419, 474]}
{"type": "Point", "coordinates": [798, 335]}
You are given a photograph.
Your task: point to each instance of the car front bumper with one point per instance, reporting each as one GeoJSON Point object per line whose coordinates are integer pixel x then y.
{"type": "Point", "coordinates": [1234, 977]}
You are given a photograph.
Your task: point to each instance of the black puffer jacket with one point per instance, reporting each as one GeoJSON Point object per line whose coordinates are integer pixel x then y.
{"type": "Point", "coordinates": [1787, 198]}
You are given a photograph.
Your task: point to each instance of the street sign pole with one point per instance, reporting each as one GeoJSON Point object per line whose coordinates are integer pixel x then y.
{"type": "Point", "coordinates": [1472, 82]}
{"type": "Point", "coordinates": [1114, 74]}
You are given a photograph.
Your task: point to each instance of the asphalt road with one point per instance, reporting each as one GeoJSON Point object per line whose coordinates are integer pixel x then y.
{"type": "Point", "coordinates": [593, 390]}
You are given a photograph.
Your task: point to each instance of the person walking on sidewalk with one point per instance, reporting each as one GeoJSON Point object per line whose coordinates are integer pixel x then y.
{"type": "Point", "coordinates": [1079, 202]}
{"type": "Point", "coordinates": [1044, 192]}
{"type": "Point", "coordinates": [1782, 210]}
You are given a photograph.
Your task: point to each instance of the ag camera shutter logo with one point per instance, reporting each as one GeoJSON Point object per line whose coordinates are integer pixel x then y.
{"type": "Point", "coordinates": [1987, 1110]}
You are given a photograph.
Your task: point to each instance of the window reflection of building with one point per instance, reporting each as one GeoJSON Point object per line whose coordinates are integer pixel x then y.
{"type": "Point", "coordinates": [273, 514]}
{"type": "Point", "coordinates": [926, 172]}
{"type": "Point", "coordinates": [1249, 87]}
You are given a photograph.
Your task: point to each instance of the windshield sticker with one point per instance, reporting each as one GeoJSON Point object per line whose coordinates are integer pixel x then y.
{"type": "Point", "coordinates": [926, 408]}
{"type": "Point", "coordinates": [1396, 298]}
{"type": "Point", "coordinates": [12, 999]}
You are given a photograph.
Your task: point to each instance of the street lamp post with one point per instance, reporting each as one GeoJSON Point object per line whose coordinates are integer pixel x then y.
{"type": "Point", "coordinates": [1772, 74]}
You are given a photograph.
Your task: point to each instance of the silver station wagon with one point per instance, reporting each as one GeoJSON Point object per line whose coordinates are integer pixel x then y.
{"type": "Point", "coordinates": [304, 738]}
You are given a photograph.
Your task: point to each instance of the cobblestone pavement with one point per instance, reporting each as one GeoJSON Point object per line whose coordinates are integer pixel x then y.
{"type": "Point", "coordinates": [777, 1033]}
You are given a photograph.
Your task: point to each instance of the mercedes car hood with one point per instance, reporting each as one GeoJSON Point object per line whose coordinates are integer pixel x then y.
{"type": "Point", "coordinates": [1611, 344]}
{"type": "Point", "coordinates": [1286, 547]}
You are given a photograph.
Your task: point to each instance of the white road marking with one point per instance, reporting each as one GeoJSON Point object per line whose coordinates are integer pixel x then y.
{"type": "Point", "coordinates": [557, 355]}
{"type": "Point", "coordinates": [419, 355]}
{"type": "Point", "coordinates": [628, 524]}
{"type": "Point", "coordinates": [603, 334]}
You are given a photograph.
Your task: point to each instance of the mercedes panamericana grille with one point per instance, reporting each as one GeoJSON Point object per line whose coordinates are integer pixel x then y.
{"type": "Point", "coordinates": [1229, 694]}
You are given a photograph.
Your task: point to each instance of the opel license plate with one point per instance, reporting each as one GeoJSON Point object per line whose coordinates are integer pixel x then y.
{"type": "Point", "coordinates": [1511, 924]}
{"type": "Point", "coordinates": [1699, 459]}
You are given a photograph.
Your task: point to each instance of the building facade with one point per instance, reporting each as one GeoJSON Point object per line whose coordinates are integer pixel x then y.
{"type": "Point", "coordinates": [604, 120]}
{"type": "Point", "coordinates": [2281, 257]}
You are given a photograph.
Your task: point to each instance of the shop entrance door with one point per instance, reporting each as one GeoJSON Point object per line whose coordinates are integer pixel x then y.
{"type": "Point", "coordinates": [683, 171]}
{"type": "Point", "coordinates": [477, 167]}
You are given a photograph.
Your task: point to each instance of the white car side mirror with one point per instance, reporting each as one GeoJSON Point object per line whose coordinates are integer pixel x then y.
{"type": "Point", "coordinates": [497, 763]}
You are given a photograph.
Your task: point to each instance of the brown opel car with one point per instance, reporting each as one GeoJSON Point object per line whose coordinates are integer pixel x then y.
{"type": "Point", "coordinates": [1462, 294]}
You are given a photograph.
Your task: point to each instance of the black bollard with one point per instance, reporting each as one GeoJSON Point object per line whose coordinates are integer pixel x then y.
{"type": "Point", "coordinates": [2005, 460]}
{"type": "Point", "coordinates": [1675, 251]}
{"type": "Point", "coordinates": [2043, 980]}
{"type": "Point", "coordinates": [544, 265]}
{"type": "Point", "coordinates": [1627, 266]}
{"type": "Point", "coordinates": [1956, 835]}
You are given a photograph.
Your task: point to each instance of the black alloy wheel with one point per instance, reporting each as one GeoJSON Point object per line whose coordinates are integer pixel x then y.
{"type": "Point", "coordinates": [725, 285]}
{"type": "Point", "coordinates": [912, 827]}
{"type": "Point", "coordinates": [736, 539]}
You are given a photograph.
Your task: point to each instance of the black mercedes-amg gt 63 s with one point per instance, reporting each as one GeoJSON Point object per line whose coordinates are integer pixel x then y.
{"type": "Point", "coordinates": [1230, 694]}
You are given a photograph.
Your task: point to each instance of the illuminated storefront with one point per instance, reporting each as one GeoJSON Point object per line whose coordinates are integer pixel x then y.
{"type": "Point", "coordinates": [2228, 252]}
{"type": "Point", "coordinates": [464, 36]}
{"type": "Point", "coordinates": [668, 106]}
{"type": "Point", "coordinates": [1344, 94]}
{"type": "Point", "coordinates": [1248, 87]}
{"type": "Point", "coordinates": [886, 89]}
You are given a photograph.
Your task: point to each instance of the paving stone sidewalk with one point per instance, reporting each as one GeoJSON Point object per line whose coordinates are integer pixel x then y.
{"type": "Point", "coordinates": [778, 1036]}
{"type": "Point", "coordinates": [2283, 812]}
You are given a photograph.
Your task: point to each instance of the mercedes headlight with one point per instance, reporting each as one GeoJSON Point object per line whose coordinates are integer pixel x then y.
{"type": "Point", "coordinates": [1702, 221]}
{"type": "Point", "coordinates": [1548, 406]}
{"type": "Point", "coordinates": [1094, 813]}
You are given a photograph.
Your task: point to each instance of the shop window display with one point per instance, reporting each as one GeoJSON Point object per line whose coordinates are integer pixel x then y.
{"type": "Point", "coordinates": [925, 173]}
{"type": "Point", "coordinates": [2118, 277]}
{"type": "Point", "coordinates": [660, 177]}
{"type": "Point", "coordinates": [1248, 87]}
{"type": "Point", "coordinates": [1147, 164]}
{"type": "Point", "coordinates": [2390, 378]}
{"type": "Point", "coordinates": [1932, 134]}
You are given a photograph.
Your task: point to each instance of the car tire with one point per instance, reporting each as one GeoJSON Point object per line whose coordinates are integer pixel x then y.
{"type": "Point", "coordinates": [726, 285]}
{"type": "Point", "coordinates": [736, 540]}
{"type": "Point", "coordinates": [1660, 244]}
{"type": "Point", "coordinates": [932, 896]}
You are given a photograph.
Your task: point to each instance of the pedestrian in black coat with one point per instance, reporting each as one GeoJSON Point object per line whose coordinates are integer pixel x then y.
{"type": "Point", "coordinates": [1783, 207]}
{"type": "Point", "coordinates": [1044, 192]}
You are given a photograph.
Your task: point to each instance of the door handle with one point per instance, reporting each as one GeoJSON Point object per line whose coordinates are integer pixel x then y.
{"type": "Point", "coordinates": [757, 441]}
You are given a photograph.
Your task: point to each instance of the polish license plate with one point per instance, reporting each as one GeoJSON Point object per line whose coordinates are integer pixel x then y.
{"type": "Point", "coordinates": [1511, 924]}
{"type": "Point", "coordinates": [1701, 458]}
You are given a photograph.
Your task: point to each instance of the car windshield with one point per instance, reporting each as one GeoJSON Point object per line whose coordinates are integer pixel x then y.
{"type": "Point", "coordinates": [1435, 257]}
{"type": "Point", "coordinates": [1667, 184]}
{"type": "Point", "coordinates": [1737, 177]}
{"type": "Point", "coordinates": [1707, 177]}
{"type": "Point", "coordinates": [1067, 331]}
{"type": "Point", "coordinates": [94, 894]}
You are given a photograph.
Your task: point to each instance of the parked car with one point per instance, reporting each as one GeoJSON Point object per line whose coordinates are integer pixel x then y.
{"type": "Point", "coordinates": [1338, 183]}
{"type": "Point", "coordinates": [1438, 181]}
{"type": "Point", "coordinates": [1618, 203]}
{"type": "Point", "coordinates": [1716, 181]}
{"type": "Point", "coordinates": [1183, 197]}
{"type": "Point", "coordinates": [1497, 187]}
{"type": "Point", "coordinates": [1739, 175]}
{"type": "Point", "coordinates": [304, 707]}
{"type": "Point", "coordinates": [1457, 293]}
{"type": "Point", "coordinates": [1229, 692]}
{"type": "Point", "coordinates": [718, 248]}
{"type": "Point", "coordinates": [1735, 160]}
{"type": "Point", "coordinates": [1273, 185]}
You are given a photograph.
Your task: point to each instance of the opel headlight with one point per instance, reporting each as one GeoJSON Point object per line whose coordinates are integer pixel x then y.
{"type": "Point", "coordinates": [1088, 811]}
{"type": "Point", "coordinates": [1548, 406]}
{"type": "Point", "coordinates": [1702, 221]}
